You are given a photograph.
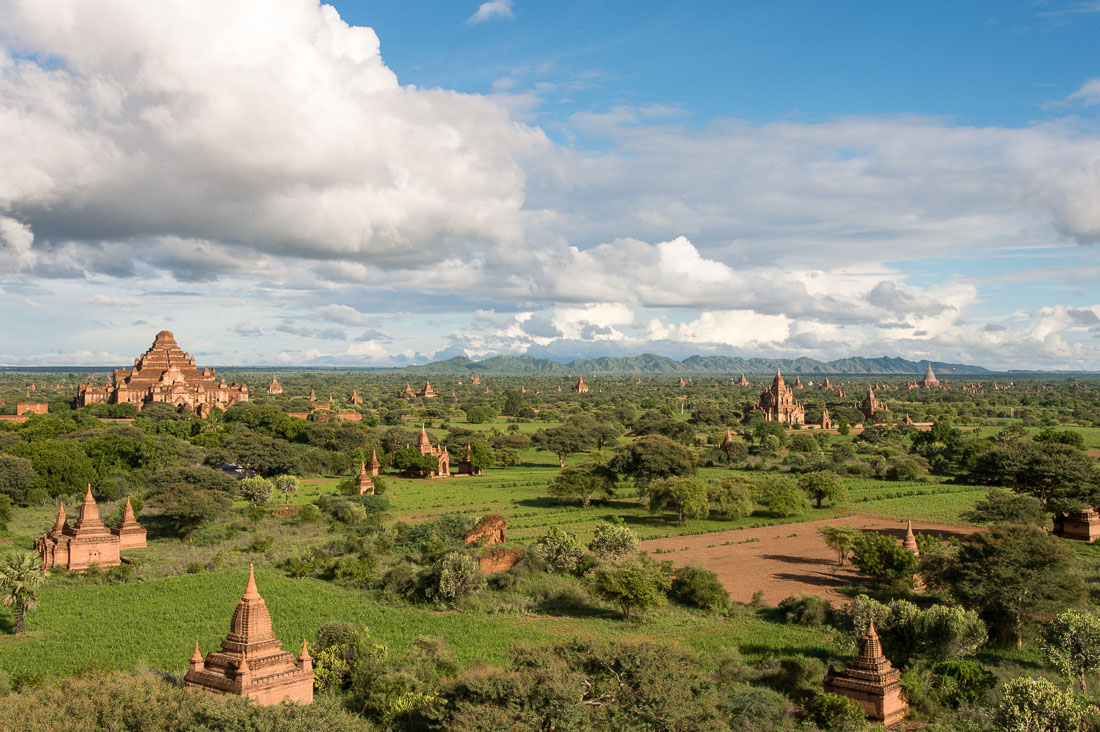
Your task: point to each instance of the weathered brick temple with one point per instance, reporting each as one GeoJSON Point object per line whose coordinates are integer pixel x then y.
{"type": "Point", "coordinates": [252, 662]}
{"type": "Point", "coordinates": [778, 403]}
{"type": "Point", "coordinates": [164, 373]}
{"type": "Point", "coordinates": [89, 541]}
{"type": "Point", "coordinates": [871, 681]}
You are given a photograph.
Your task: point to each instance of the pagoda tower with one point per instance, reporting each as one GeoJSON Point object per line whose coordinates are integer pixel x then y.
{"type": "Point", "coordinates": [129, 531]}
{"type": "Point", "coordinates": [89, 542]}
{"type": "Point", "coordinates": [274, 387]}
{"type": "Point", "coordinates": [252, 662]}
{"type": "Point", "coordinates": [871, 681]}
{"type": "Point", "coordinates": [374, 467]}
{"type": "Point", "coordinates": [366, 485]}
{"type": "Point", "coordinates": [355, 398]}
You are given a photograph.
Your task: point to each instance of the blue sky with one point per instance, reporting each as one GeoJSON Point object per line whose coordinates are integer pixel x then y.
{"type": "Point", "coordinates": [377, 183]}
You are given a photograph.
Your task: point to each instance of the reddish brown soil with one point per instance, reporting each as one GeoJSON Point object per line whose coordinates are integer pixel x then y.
{"type": "Point", "coordinates": [783, 560]}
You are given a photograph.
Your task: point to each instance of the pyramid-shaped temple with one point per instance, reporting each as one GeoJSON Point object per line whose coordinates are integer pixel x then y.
{"type": "Point", "coordinates": [871, 681]}
{"type": "Point", "coordinates": [252, 662]}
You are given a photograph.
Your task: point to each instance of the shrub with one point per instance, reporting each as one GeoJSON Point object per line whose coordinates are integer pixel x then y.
{"type": "Point", "coordinates": [560, 550]}
{"type": "Point", "coordinates": [730, 497]}
{"type": "Point", "coordinates": [613, 541]}
{"type": "Point", "coordinates": [805, 610]}
{"type": "Point", "coordinates": [309, 513]}
{"type": "Point", "coordinates": [36, 497]}
{"type": "Point", "coordinates": [835, 713]}
{"type": "Point", "coordinates": [635, 585]}
{"type": "Point", "coordinates": [756, 709]}
{"type": "Point", "coordinates": [884, 560]}
{"type": "Point", "coordinates": [1036, 705]}
{"type": "Point", "coordinates": [459, 575]}
{"type": "Point", "coordinates": [698, 587]}
{"type": "Point", "coordinates": [355, 570]}
{"type": "Point", "coordinates": [962, 682]}
{"type": "Point", "coordinates": [781, 497]}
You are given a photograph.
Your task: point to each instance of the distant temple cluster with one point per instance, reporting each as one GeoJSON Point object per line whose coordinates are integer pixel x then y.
{"type": "Point", "coordinates": [426, 393]}
{"type": "Point", "coordinates": [89, 542]}
{"type": "Point", "coordinates": [166, 374]}
{"type": "Point", "coordinates": [778, 403]}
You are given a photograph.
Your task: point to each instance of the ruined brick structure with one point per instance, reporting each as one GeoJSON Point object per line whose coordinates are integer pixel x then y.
{"type": "Point", "coordinates": [252, 662]}
{"type": "Point", "coordinates": [32, 408]}
{"type": "Point", "coordinates": [427, 392]}
{"type": "Point", "coordinates": [743, 381]}
{"type": "Point", "coordinates": [929, 379]}
{"type": "Point", "coordinates": [166, 374]}
{"type": "Point", "coordinates": [1083, 525]}
{"type": "Point", "coordinates": [826, 420]}
{"type": "Point", "coordinates": [355, 398]}
{"type": "Point", "coordinates": [466, 463]}
{"type": "Point", "coordinates": [489, 530]}
{"type": "Point", "coordinates": [871, 681]}
{"type": "Point", "coordinates": [89, 541]}
{"type": "Point", "coordinates": [778, 403]}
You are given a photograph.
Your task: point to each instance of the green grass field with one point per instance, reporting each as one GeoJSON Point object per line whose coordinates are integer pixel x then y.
{"type": "Point", "coordinates": [156, 622]}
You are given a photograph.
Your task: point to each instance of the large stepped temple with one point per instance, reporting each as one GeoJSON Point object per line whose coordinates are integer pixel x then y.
{"type": "Point", "coordinates": [252, 662]}
{"type": "Point", "coordinates": [164, 373]}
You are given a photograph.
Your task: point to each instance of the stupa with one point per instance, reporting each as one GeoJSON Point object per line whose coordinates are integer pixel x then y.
{"type": "Point", "coordinates": [252, 662]}
{"type": "Point", "coordinates": [88, 542]}
{"type": "Point", "coordinates": [366, 485]}
{"type": "Point", "coordinates": [871, 681]}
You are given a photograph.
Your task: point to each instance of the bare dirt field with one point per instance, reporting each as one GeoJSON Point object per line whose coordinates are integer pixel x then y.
{"type": "Point", "coordinates": [784, 560]}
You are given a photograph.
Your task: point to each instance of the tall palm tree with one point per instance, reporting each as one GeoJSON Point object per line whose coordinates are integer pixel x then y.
{"type": "Point", "coordinates": [20, 575]}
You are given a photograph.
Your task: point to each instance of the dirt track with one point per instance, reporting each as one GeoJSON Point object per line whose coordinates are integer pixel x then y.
{"type": "Point", "coordinates": [784, 560]}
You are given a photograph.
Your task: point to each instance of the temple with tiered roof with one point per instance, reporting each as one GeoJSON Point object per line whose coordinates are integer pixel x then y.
{"type": "Point", "coordinates": [164, 373]}
{"type": "Point", "coordinates": [252, 662]}
{"type": "Point", "coordinates": [778, 403]}
{"type": "Point", "coordinates": [871, 681]}
{"type": "Point", "coordinates": [88, 542]}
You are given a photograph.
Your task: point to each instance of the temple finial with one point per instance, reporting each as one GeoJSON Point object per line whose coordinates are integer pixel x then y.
{"type": "Point", "coordinates": [250, 589]}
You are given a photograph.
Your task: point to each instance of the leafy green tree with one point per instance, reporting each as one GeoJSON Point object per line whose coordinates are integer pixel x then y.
{"type": "Point", "coordinates": [730, 496]}
{"type": "Point", "coordinates": [781, 497]}
{"type": "Point", "coordinates": [613, 541]}
{"type": "Point", "coordinates": [62, 466]}
{"type": "Point", "coordinates": [653, 457]}
{"type": "Point", "coordinates": [21, 575]}
{"type": "Point", "coordinates": [823, 485]}
{"type": "Point", "coordinates": [840, 539]}
{"type": "Point", "coordinates": [636, 584]}
{"type": "Point", "coordinates": [963, 681]}
{"type": "Point", "coordinates": [257, 491]}
{"type": "Point", "coordinates": [560, 550]}
{"type": "Point", "coordinates": [1060, 476]}
{"type": "Point", "coordinates": [1011, 574]}
{"type": "Point", "coordinates": [563, 441]}
{"type": "Point", "coordinates": [287, 485]}
{"type": "Point", "coordinates": [259, 453]}
{"type": "Point", "coordinates": [684, 495]}
{"type": "Point", "coordinates": [459, 575]}
{"type": "Point", "coordinates": [698, 587]}
{"type": "Point", "coordinates": [1071, 644]}
{"type": "Point", "coordinates": [883, 559]}
{"type": "Point", "coordinates": [1036, 705]}
{"type": "Point", "coordinates": [481, 455]}
{"type": "Point", "coordinates": [185, 509]}
{"type": "Point", "coordinates": [17, 476]}
{"type": "Point", "coordinates": [410, 460]}
{"type": "Point", "coordinates": [1001, 507]}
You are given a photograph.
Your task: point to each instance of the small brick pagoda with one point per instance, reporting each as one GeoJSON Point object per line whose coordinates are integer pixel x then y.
{"type": "Point", "coordinates": [89, 542]}
{"type": "Point", "coordinates": [427, 392]}
{"type": "Point", "coordinates": [274, 387]}
{"type": "Point", "coordinates": [871, 681]}
{"type": "Point", "coordinates": [252, 662]}
{"type": "Point", "coordinates": [1083, 525]}
{"type": "Point", "coordinates": [167, 374]}
{"type": "Point", "coordinates": [374, 467]}
{"type": "Point", "coordinates": [365, 484]}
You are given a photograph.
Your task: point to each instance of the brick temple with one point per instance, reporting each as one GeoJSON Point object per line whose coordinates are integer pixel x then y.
{"type": "Point", "coordinates": [252, 662]}
{"type": "Point", "coordinates": [778, 403]}
{"type": "Point", "coordinates": [88, 542]}
{"type": "Point", "coordinates": [164, 373]}
{"type": "Point", "coordinates": [871, 681]}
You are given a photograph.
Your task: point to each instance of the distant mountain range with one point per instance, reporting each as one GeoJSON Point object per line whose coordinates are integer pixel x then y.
{"type": "Point", "coordinates": [649, 363]}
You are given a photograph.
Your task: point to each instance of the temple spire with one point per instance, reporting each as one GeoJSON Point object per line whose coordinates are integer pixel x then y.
{"type": "Point", "coordinates": [250, 590]}
{"type": "Point", "coordinates": [60, 523]}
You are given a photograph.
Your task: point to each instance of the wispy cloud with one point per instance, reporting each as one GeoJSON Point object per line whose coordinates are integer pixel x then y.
{"type": "Point", "coordinates": [492, 10]}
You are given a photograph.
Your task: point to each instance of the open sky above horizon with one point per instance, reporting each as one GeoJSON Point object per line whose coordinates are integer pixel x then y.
{"type": "Point", "coordinates": [376, 183]}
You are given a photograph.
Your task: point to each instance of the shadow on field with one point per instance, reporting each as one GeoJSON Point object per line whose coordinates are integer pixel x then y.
{"type": "Point", "coordinates": [7, 622]}
{"type": "Point", "coordinates": [799, 560]}
{"type": "Point", "coordinates": [758, 649]}
{"type": "Point", "coordinates": [658, 520]}
{"type": "Point", "coordinates": [548, 502]}
{"type": "Point", "coordinates": [815, 579]}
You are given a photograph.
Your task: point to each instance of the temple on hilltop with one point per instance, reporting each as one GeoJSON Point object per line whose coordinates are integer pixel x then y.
{"type": "Point", "coordinates": [870, 405]}
{"type": "Point", "coordinates": [778, 404]}
{"type": "Point", "coordinates": [274, 387]}
{"type": "Point", "coordinates": [427, 392]}
{"type": "Point", "coordinates": [252, 662]}
{"type": "Point", "coordinates": [580, 387]}
{"type": "Point", "coordinates": [88, 542]}
{"type": "Point", "coordinates": [871, 681]}
{"type": "Point", "coordinates": [424, 444]}
{"type": "Point", "coordinates": [166, 374]}
{"type": "Point", "coordinates": [929, 379]}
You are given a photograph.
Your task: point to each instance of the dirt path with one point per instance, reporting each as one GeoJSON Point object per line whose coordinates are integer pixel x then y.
{"type": "Point", "coordinates": [784, 560]}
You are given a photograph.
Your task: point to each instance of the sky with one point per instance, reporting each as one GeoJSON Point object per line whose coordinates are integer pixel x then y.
{"type": "Point", "coordinates": [290, 183]}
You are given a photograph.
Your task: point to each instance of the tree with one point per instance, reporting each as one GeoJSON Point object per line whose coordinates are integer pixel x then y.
{"type": "Point", "coordinates": [835, 713]}
{"type": "Point", "coordinates": [481, 455]}
{"type": "Point", "coordinates": [684, 495]}
{"type": "Point", "coordinates": [840, 539]}
{"type": "Point", "coordinates": [559, 549]}
{"type": "Point", "coordinates": [653, 457]}
{"type": "Point", "coordinates": [613, 541]}
{"type": "Point", "coordinates": [185, 509]}
{"type": "Point", "coordinates": [822, 485]}
{"type": "Point", "coordinates": [17, 476]}
{"type": "Point", "coordinates": [1071, 644]}
{"type": "Point", "coordinates": [563, 441]}
{"type": "Point", "coordinates": [1036, 705]}
{"type": "Point", "coordinates": [459, 575]}
{"type": "Point", "coordinates": [730, 496]}
{"type": "Point", "coordinates": [410, 460]}
{"type": "Point", "coordinates": [287, 485]}
{"type": "Point", "coordinates": [1060, 476]}
{"type": "Point", "coordinates": [781, 497]}
{"type": "Point", "coordinates": [21, 575]}
{"type": "Point", "coordinates": [257, 491]}
{"type": "Point", "coordinates": [1001, 507]}
{"type": "Point", "coordinates": [583, 482]}
{"type": "Point", "coordinates": [1010, 574]}
{"type": "Point", "coordinates": [62, 466]}
{"type": "Point", "coordinates": [883, 559]}
{"type": "Point", "coordinates": [635, 585]}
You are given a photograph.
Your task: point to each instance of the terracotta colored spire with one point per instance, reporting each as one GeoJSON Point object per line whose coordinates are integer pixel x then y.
{"type": "Point", "coordinates": [60, 523]}
{"type": "Point", "coordinates": [89, 512]}
{"type": "Point", "coordinates": [128, 516]}
{"type": "Point", "coordinates": [362, 469]}
{"type": "Point", "coordinates": [196, 657]}
{"type": "Point", "coordinates": [304, 655]}
{"type": "Point", "coordinates": [250, 590]}
{"type": "Point", "coordinates": [910, 542]}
